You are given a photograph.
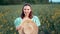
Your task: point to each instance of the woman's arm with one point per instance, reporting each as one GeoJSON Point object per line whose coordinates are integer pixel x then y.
{"type": "Point", "coordinates": [19, 28]}
{"type": "Point", "coordinates": [17, 23]}
{"type": "Point", "coordinates": [37, 21]}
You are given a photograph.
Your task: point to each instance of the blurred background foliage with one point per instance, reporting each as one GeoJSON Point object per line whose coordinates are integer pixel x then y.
{"type": "Point", "coordinates": [7, 2]}
{"type": "Point", "coordinates": [48, 13]}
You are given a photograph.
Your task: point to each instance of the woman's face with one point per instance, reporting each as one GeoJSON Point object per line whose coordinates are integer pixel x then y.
{"type": "Point", "coordinates": [27, 10]}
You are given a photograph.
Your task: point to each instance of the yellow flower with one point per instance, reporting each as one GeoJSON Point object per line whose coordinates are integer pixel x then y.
{"type": "Point", "coordinates": [0, 32]}
{"type": "Point", "coordinates": [11, 28]}
{"type": "Point", "coordinates": [14, 32]}
{"type": "Point", "coordinates": [4, 20]}
{"type": "Point", "coordinates": [1, 15]}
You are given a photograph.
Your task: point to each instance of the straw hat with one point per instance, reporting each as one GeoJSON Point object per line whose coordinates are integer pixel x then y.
{"type": "Point", "coordinates": [29, 27]}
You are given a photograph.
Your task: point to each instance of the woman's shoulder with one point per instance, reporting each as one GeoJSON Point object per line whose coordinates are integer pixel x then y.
{"type": "Point", "coordinates": [17, 21]}
{"type": "Point", "coordinates": [18, 18]}
{"type": "Point", "coordinates": [35, 17]}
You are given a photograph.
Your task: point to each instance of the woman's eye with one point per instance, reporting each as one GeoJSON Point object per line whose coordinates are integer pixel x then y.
{"type": "Point", "coordinates": [27, 9]}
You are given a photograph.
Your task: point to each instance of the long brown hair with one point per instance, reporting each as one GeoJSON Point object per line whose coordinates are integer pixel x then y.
{"type": "Point", "coordinates": [23, 15]}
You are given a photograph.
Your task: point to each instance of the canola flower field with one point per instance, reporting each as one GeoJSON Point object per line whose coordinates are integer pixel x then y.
{"type": "Point", "coordinates": [48, 14]}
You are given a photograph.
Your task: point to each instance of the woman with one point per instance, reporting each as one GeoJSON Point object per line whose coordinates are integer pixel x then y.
{"type": "Point", "coordinates": [26, 15]}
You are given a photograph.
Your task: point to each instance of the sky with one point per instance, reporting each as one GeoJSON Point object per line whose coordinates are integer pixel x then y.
{"type": "Point", "coordinates": [54, 0]}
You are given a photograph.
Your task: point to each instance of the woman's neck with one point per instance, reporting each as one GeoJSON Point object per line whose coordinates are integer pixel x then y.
{"type": "Point", "coordinates": [27, 16]}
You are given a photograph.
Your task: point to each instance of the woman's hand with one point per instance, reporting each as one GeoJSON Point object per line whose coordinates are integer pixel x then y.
{"type": "Point", "coordinates": [19, 28]}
